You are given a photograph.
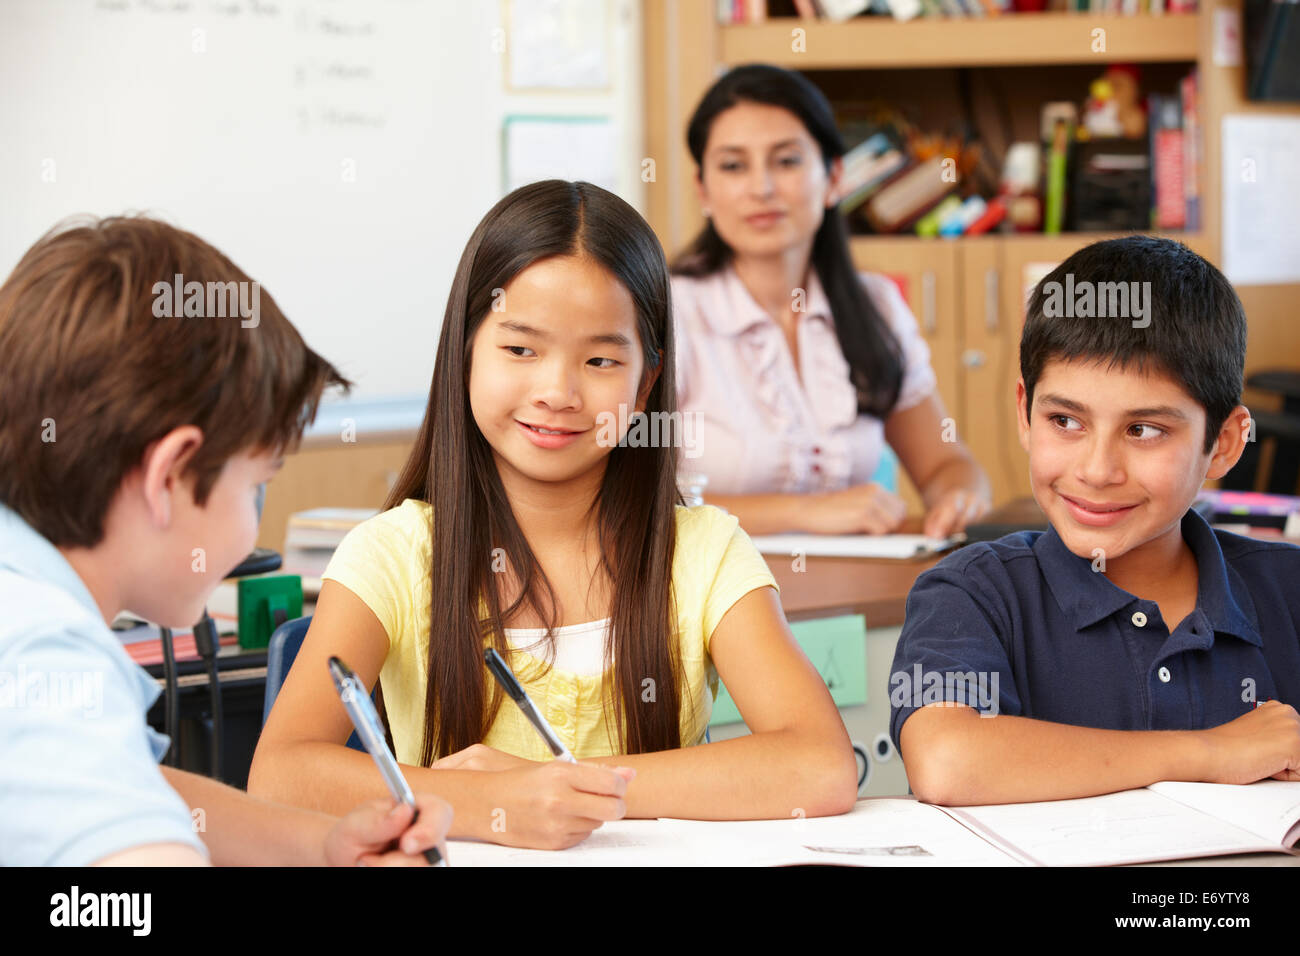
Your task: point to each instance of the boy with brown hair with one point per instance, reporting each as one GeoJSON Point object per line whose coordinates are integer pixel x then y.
{"type": "Point", "coordinates": [136, 427]}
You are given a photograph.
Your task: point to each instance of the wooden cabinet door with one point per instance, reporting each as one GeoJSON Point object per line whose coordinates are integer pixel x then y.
{"type": "Point", "coordinates": [989, 368]}
{"type": "Point", "coordinates": [331, 475]}
{"type": "Point", "coordinates": [926, 272]}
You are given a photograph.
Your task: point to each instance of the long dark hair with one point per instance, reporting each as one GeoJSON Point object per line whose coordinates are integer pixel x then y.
{"type": "Point", "coordinates": [471, 514]}
{"type": "Point", "coordinates": [868, 343]}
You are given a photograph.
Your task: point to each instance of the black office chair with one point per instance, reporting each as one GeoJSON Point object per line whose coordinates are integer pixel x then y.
{"type": "Point", "coordinates": [1281, 429]}
{"type": "Point", "coordinates": [281, 652]}
{"type": "Point", "coordinates": [207, 642]}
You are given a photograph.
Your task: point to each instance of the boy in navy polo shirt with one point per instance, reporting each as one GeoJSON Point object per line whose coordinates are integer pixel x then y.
{"type": "Point", "coordinates": [1130, 642]}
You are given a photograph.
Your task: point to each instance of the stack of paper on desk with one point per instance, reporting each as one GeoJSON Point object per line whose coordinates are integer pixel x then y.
{"type": "Point", "coordinates": [854, 545]}
{"type": "Point", "coordinates": [1163, 822]}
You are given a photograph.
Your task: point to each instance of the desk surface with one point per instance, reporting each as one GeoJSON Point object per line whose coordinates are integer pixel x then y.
{"type": "Point", "coordinates": [876, 589]}
{"type": "Point", "coordinates": [896, 826]}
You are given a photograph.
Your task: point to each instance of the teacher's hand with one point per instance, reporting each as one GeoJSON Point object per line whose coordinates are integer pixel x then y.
{"type": "Point", "coordinates": [953, 511]}
{"type": "Point", "coordinates": [860, 509]}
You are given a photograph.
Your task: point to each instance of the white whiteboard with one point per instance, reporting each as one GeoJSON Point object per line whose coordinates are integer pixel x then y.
{"type": "Point", "coordinates": [1261, 199]}
{"type": "Point", "coordinates": [339, 151]}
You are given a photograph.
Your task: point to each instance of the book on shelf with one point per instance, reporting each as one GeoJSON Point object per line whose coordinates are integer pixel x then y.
{"type": "Point", "coordinates": [838, 11]}
{"type": "Point", "coordinates": [869, 165]}
{"type": "Point", "coordinates": [1189, 89]}
{"type": "Point", "coordinates": [1057, 130]}
{"type": "Point", "coordinates": [1168, 202]}
{"type": "Point", "coordinates": [908, 196]}
{"type": "Point", "coordinates": [312, 537]}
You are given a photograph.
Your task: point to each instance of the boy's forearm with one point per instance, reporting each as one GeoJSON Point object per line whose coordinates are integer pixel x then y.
{"type": "Point", "coordinates": [243, 830]}
{"type": "Point", "coordinates": [334, 779]}
{"type": "Point", "coordinates": [955, 757]}
{"type": "Point", "coordinates": [766, 776]}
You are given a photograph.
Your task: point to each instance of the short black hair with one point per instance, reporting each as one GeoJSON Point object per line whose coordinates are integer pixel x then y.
{"type": "Point", "coordinates": [1193, 328]}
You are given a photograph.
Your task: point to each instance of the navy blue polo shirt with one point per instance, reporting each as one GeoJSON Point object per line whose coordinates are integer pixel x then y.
{"type": "Point", "coordinates": [1022, 626]}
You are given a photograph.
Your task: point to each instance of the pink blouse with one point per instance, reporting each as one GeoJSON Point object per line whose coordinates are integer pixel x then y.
{"type": "Point", "coordinates": [759, 428]}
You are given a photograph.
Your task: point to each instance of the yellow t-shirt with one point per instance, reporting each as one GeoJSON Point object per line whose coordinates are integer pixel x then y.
{"type": "Point", "coordinates": [385, 562]}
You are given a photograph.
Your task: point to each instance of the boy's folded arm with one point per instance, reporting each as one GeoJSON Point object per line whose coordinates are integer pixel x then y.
{"type": "Point", "coordinates": [956, 757]}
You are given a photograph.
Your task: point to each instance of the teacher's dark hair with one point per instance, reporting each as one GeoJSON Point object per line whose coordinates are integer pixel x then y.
{"type": "Point", "coordinates": [868, 343]}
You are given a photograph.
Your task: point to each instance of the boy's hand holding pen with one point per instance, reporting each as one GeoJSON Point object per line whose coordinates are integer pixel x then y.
{"type": "Point", "coordinates": [364, 833]}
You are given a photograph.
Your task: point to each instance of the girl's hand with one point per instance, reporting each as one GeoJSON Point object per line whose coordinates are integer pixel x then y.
{"type": "Point", "coordinates": [953, 511]}
{"type": "Point", "coordinates": [554, 805]}
{"type": "Point", "coordinates": [860, 509]}
{"type": "Point", "coordinates": [481, 757]}
{"type": "Point", "coordinates": [380, 833]}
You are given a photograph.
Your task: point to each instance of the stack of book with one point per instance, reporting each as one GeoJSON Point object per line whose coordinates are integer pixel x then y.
{"type": "Point", "coordinates": [758, 11]}
{"type": "Point", "coordinates": [312, 537]}
{"type": "Point", "coordinates": [1173, 123]}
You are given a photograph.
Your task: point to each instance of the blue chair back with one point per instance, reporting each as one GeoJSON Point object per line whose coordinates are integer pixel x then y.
{"type": "Point", "coordinates": [283, 647]}
{"type": "Point", "coordinates": [886, 474]}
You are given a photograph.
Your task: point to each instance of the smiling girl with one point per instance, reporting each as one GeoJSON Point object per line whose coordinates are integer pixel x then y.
{"type": "Point", "coordinates": [517, 525]}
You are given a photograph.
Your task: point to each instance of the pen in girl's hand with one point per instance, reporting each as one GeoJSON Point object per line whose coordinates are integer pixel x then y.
{"type": "Point", "coordinates": [366, 720]}
{"type": "Point", "coordinates": [512, 687]}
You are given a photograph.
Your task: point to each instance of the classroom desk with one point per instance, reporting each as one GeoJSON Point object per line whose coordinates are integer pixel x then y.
{"type": "Point", "coordinates": [877, 589]}
{"type": "Point", "coordinates": [666, 843]}
{"type": "Point", "coordinates": [873, 587]}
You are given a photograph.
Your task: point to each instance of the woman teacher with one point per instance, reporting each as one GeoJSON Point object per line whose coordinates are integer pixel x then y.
{"type": "Point", "coordinates": [800, 368]}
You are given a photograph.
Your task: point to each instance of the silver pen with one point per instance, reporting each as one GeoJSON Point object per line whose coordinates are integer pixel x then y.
{"type": "Point", "coordinates": [366, 720]}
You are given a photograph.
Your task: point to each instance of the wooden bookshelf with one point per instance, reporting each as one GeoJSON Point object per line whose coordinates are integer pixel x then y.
{"type": "Point", "coordinates": [1009, 40]}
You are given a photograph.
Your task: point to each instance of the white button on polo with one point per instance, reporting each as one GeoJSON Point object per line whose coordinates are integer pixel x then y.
{"type": "Point", "coordinates": [1164, 675]}
{"type": "Point", "coordinates": [1139, 619]}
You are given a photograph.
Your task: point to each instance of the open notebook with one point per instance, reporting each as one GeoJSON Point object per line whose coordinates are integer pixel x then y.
{"type": "Point", "coordinates": [1165, 821]}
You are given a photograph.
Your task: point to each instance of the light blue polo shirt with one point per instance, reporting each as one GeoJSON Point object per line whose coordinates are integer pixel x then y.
{"type": "Point", "coordinates": [79, 777]}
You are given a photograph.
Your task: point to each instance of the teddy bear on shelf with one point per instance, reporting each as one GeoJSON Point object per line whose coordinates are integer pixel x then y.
{"type": "Point", "coordinates": [1114, 106]}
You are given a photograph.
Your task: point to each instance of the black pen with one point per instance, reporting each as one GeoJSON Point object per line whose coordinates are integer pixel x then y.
{"type": "Point", "coordinates": [511, 686]}
{"type": "Point", "coordinates": [366, 720]}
